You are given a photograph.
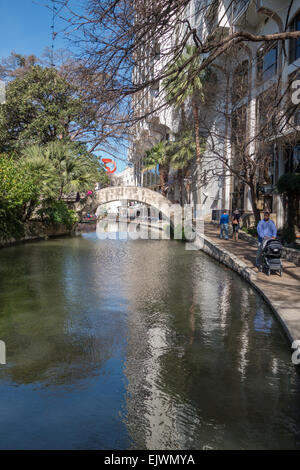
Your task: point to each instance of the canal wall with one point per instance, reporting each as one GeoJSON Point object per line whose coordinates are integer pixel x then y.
{"type": "Point", "coordinates": [35, 232]}
{"type": "Point", "coordinates": [225, 257]}
{"type": "Point", "coordinates": [285, 307]}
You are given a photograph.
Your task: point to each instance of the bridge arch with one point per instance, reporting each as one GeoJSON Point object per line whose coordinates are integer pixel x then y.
{"type": "Point", "coordinates": [130, 193]}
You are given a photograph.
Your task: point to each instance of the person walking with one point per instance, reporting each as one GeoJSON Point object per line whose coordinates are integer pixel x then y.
{"type": "Point", "coordinates": [224, 222]}
{"type": "Point", "coordinates": [266, 229]}
{"type": "Point", "coordinates": [235, 220]}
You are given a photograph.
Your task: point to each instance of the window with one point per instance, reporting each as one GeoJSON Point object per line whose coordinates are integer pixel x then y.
{"type": "Point", "coordinates": [295, 163]}
{"type": "Point", "coordinates": [292, 160]}
{"type": "Point", "coordinates": [240, 81]}
{"type": "Point", "coordinates": [267, 172]}
{"type": "Point", "coordinates": [266, 104]}
{"type": "Point", "coordinates": [154, 89]}
{"type": "Point", "coordinates": [211, 15]}
{"type": "Point", "coordinates": [295, 43]}
{"type": "Point", "coordinates": [267, 63]}
{"type": "Point", "coordinates": [239, 135]}
{"type": "Point", "coordinates": [239, 121]}
{"type": "Point", "coordinates": [156, 50]}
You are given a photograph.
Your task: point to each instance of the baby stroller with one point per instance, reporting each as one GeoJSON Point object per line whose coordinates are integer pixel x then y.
{"type": "Point", "coordinates": [271, 256]}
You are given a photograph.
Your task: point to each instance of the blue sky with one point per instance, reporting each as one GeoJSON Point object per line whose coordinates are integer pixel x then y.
{"type": "Point", "coordinates": [25, 28]}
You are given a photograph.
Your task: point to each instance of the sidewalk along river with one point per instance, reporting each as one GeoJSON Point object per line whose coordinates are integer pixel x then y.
{"type": "Point", "coordinates": [122, 344]}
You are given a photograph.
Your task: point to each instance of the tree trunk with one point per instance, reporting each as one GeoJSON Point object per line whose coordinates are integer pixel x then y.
{"type": "Point", "coordinates": [163, 179]}
{"type": "Point", "coordinates": [187, 191]}
{"type": "Point", "coordinates": [28, 210]}
{"type": "Point", "coordinates": [255, 209]}
{"type": "Point", "coordinates": [198, 148]}
{"type": "Point", "coordinates": [180, 183]}
{"type": "Point", "coordinates": [61, 192]}
{"type": "Point", "coordinates": [197, 132]}
{"type": "Point", "coordinates": [291, 217]}
{"type": "Point", "coordinates": [183, 118]}
{"type": "Point", "coordinates": [298, 211]}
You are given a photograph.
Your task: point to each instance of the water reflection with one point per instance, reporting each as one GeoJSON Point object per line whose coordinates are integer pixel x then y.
{"type": "Point", "coordinates": [119, 344]}
{"type": "Point", "coordinates": [207, 377]}
{"type": "Point", "coordinates": [125, 229]}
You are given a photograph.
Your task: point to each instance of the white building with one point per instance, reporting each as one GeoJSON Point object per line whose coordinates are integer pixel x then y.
{"type": "Point", "coordinates": [259, 67]}
{"type": "Point", "coordinates": [124, 178]}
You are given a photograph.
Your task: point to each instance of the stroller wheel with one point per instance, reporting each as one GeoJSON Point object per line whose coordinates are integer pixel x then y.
{"type": "Point", "coordinates": [260, 269]}
{"type": "Point", "coordinates": [280, 273]}
{"type": "Point", "coordinates": [269, 272]}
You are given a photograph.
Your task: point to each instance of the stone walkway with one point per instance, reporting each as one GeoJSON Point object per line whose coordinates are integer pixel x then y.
{"type": "Point", "coordinates": [282, 292]}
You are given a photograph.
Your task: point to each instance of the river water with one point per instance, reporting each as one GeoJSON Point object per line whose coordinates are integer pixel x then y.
{"type": "Point", "coordinates": [115, 344]}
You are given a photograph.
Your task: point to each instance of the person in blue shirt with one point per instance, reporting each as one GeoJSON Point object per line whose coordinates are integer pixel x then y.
{"type": "Point", "coordinates": [265, 229]}
{"type": "Point", "coordinates": [224, 222]}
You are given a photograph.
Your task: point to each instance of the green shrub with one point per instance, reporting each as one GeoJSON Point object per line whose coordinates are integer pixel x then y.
{"type": "Point", "coordinates": [289, 186]}
{"type": "Point", "coordinates": [287, 235]}
{"type": "Point", "coordinates": [57, 212]}
{"type": "Point", "coordinates": [250, 230]}
{"type": "Point", "coordinates": [11, 224]}
{"type": "Point", "coordinates": [18, 196]}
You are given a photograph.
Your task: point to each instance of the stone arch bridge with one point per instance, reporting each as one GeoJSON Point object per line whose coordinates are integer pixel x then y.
{"type": "Point", "coordinates": [129, 193]}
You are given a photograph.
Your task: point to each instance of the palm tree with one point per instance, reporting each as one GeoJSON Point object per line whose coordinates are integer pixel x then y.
{"type": "Point", "coordinates": [157, 155]}
{"type": "Point", "coordinates": [186, 82]}
{"type": "Point", "coordinates": [37, 161]}
{"type": "Point", "coordinates": [181, 152]}
{"type": "Point", "coordinates": [63, 167]}
{"type": "Point", "coordinates": [75, 171]}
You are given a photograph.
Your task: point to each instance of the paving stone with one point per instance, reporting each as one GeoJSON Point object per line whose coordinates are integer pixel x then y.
{"type": "Point", "coordinates": [283, 293]}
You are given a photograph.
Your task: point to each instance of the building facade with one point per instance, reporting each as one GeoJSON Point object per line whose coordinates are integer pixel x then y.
{"type": "Point", "coordinates": [124, 178]}
{"type": "Point", "coordinates": [245, 80]}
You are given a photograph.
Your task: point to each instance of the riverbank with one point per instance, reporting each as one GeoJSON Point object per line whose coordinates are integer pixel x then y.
{"type": "Point", "coordinates": [281, 293]}
{"type": "Point", "coordinates": [36, 231]}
